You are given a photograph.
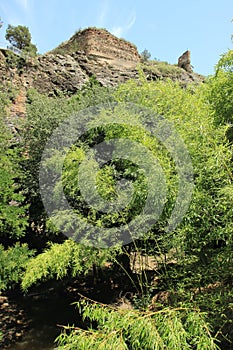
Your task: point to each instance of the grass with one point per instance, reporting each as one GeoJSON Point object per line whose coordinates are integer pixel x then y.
{"type": "Point", "coordinates": [162, 68]}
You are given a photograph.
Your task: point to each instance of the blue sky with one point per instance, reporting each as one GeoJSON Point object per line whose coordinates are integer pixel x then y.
{"type": "Point", "coordinates": [166, 28]}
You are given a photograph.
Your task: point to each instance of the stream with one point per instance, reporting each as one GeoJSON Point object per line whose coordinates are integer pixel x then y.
{"type": "Point", "coordinates": [45, 314]}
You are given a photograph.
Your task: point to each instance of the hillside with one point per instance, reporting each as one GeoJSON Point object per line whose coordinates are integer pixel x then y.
{"type": "Point", "coordinates": [90, 52]}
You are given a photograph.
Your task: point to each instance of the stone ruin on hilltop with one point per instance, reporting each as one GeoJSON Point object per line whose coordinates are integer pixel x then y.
{"type": "Point", "coordinates": [91, 52]}
{"type": "Point", "coordinates": [184, 61]}
{"type": "Point", "coordinates": [100, 44]}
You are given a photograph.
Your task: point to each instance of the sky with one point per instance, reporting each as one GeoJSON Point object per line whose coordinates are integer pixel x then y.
{"type": "Point", "coordinates": [166, 28]}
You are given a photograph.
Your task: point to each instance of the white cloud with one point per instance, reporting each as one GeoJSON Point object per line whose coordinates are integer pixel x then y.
{"type": "Point", "coordinates": [131, 22]}
{"type": "Point", "coordinates": [120, 30]}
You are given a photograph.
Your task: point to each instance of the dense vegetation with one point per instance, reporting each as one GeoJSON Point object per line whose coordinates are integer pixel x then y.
{"type": "Point", "coordinates": [193, 260]}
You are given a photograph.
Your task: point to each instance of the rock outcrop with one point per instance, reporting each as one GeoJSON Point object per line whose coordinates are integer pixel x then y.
{"type": "Point", "coordinates": [90, 52]}
{"type": "Point", "coordinates": [69, 72]}
{"type": "Point", "coordinates": [184, 61]}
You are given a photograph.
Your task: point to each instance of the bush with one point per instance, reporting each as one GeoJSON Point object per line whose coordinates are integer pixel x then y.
{"type": "Point", "coordinates": [123, 329]}
{"type": "Point", "coordinates": [12, 264]}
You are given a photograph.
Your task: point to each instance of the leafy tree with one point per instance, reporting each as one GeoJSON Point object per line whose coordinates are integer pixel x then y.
{"type": "Point", "coordinates": [192, 116]}
{"type": "Point", "coordinates": [145, 55]}
{"type": "Point", "coordinates": [13, 219]}
{"type": "Point", "coordinates": [208, 219]}
{"type": "Point", "coordinates": [203, 240]}
{"type": "Point", "coordinates": [13, 211]}
{"type": "Point", "coordinates": [20, 38]}
{"type": "Point", "coordinates": [44, 115]}
{"type": "Point", "coordinates": [221, 89]}
{"type": "Point", "coordinates": [12, 264]}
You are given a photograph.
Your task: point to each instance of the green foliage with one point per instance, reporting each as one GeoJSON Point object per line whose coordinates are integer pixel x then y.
{"type": "Point", "coordinates": [161, 69]}
{"type": "Point", "coordinates": [145, 55]}
{"type": "Point", "coordinates": [107, 176]}
{"type": "Point", "coordinates": [219, 308]}
{"type": "Point", "coordinates": [14, 61]}
{"type": "Point", "coordinates": [200, 248]}
{"type": "Point", "coordinates": [124, 329]}
{"type": "Point", "coordinates": [55, 262]}
{"type": "Point", "coordinates": [8, 92]}
{"type": "Point", "coordinates": [13, 212]}
{"type": "Point", "coordinates": [202, 244]}
{"type": "Point", "coordinates": [63, 50]}
{"type": "Point", "coordinates": [221, 89]}
{"type": "Point", "coordinates": [193, 246]}
{"type": "Point", "coordinates": [30, 50]}
{"type": "Point", "coordinates": [20, 38]}
{"type": "Point", "coordinates": [43, 115]}
{"type": "Point", "coordinates": [12, 264]}
{"type": "Point", "coordinates": [13, 219]}
{"type": "Point", "coordinates": [208, 217]}
{"type": "Point", "coordinates": [62, 260]}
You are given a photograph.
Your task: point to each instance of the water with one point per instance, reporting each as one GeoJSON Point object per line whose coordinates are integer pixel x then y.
{"type": "Point", "coordinates": [45, 313]}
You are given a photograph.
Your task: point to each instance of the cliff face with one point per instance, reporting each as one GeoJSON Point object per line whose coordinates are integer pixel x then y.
{"type": "Point", "coordinates": [91, 52]}
{"type": "Point", "coordinates": [69, 72]}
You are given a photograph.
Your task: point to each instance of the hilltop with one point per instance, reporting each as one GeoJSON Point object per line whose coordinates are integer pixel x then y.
{"type": "Point", "coordinates": [89, 52]}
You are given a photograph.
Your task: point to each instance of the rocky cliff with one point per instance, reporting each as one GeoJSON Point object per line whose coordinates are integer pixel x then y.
{"type": "Point", "coordinates": [90, 52]}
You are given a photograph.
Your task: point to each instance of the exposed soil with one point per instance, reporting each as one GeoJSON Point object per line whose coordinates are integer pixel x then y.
{"type": "Point", "coordinates": [13, 322]}
{"type": "Point", "coordinates": [42, 312]}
